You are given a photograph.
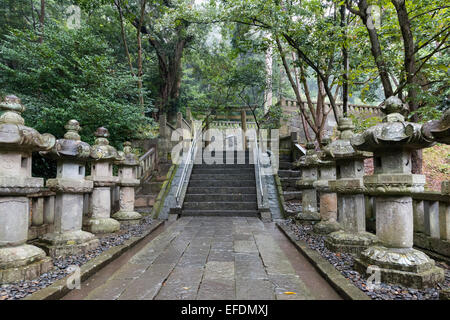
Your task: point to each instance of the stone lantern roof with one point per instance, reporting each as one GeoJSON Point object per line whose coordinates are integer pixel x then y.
{"type": "Point", "coordinates": [394, 133]}
{"type": "Point", "coordinates": [438, 130]}
{"type": "Point", "coordinates": [342, 148]}
{"type": "Point", "coordinates": [71, 147]}
{"type": "Point", "coordinates": [101, 150]}
{"type": "Point", "coordinates": [127, 157]}
{"type": "Point", "coordinates": [14, 135]}
{"type": "Point", "coordinates": [311, 159]}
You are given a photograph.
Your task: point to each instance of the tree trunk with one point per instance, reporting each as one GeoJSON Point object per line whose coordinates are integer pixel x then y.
{"type": "Point", "coordinates": [410, 71]}
{"type": "Point", "coordinates": [376, 49]}
{"type": "Point", "coordinates": [139, 42]}
{"type": "Point", "coordinates": [41, 21]}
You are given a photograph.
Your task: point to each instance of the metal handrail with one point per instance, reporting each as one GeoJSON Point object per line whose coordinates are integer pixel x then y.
{"type": "Point", "coordinates": [189, 159]}
{"type": "Point", "coordinates": [258, 162]}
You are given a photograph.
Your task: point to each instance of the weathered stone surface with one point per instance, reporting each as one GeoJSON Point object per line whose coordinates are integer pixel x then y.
{"type": "Point", "coordinates": [392, 182]}
{"type": "Point", "coordinates": [391, 135]}
{"type": "Point", "coordinates": [326, 227]}
{"type": "Point", "coordinates": [14, 135]}
{"type": "Point", "coordinates": [408, 267]}
{"type": "Point", "coordinates": [127, 182]}
{"type": "Point", "coordinates": [70, 186]}
{"type": "Point", "coordinates": [101, 225]}
{"type": "Point", "coordinates": [440, 246]}
{"type": "Point", "coordinates": [102, 156]}
{"type": "Point", "coordinates": [438, 130]}
{"type": "Point", "coordinates": [394, 221]}
{"type": "Point", "coordinates": [347, 242]}
{"type": "Point", "coordinates": [207, 258]}
{"type": "Point", "coordinates": [68, 243]}
{"type": "Point", "coordinates": [19, 261]}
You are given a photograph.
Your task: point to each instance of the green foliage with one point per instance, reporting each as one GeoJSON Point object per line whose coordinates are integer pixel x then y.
{"type": "Point", "coordinates": [218, 75]}
{"type": "Point", "coordinates": [271, 120]}
{"type": "Point", "coordinates": [72, 75]}
{"type": "Point", "coordinates": [362, 124]}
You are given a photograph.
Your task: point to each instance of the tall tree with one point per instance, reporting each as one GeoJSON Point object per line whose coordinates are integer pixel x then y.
{"type": "Point", "coordinates": [396, 13]}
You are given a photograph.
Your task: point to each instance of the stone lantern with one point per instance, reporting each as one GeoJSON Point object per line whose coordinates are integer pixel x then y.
{"type": "Point", "coordinates": [127, 181]}
{"type": "Point", "coordinates": [327, 198]}
{"type": "Point", "coordinates": [70, 186]}
{"type": "Point", "coordinates": [18, 260]}
{"type": "Point", "coordinates": [102, 157]}
{"type": "Point", "coordinates": [392, 183]}
{"type": "Point", "coordinates": [350, 193]}
{"type": "Point", "coordinates": [308, 166]}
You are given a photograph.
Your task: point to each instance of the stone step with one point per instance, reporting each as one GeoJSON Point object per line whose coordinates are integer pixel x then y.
{"type": "Point", "coordinates": [222, 176]}
{"type": "Point", "coordinates": [144, 209]}
{"type": "Point", "coordinates": [222, 190]}
{"type": "Point", "coordinates": [151, 187]}
{"type": "Point", "coordinates": [224, 166]}
{"type": "Point", "coordinates": [239, 161]}
{"type": "Point", "coordinates": [214, 170]}
{"type": "Point", "coordinates": [220, 205]}
{"type": "Point", "coordinates": [144, 200]}
{"type": "Point", "coordinates": [285, 165]}
{"type": "Point", "coordinates": [288, 183]}
{"type": "Point", "coordinates": [218, 197]}
{"type": "Point", "coordinates": [221, 183]}
{"type": "Point", "coordinates": [289, 173]}
{"type": "Point", "coordinates": [221, 213]}
{"type": "Point", "coordinates": [292, 195]}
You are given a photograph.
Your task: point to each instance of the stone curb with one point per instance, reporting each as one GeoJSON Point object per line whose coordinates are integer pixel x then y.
{"type": "Point", "coordinates": [59, 288]}
{"type": "Point", "coordinates": [343, 286]}
{"type": "Point", "coordinates": [281, 202]}
{"type": "Point", "coordinates": [159, 202]}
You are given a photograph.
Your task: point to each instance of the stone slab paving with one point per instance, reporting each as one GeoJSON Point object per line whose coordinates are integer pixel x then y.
{"type": "Point", "coordinates": [222, 258]}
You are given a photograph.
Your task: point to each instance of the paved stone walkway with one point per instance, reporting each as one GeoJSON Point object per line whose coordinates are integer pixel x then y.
{"type": "Point", "coordinates": [211, 258]}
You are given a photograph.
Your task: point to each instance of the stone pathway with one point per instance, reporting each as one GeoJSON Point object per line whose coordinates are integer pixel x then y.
{"type": "Point", "coordinates": [215, 258]}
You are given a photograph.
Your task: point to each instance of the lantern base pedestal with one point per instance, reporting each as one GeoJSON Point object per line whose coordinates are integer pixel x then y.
{"type": "Point", "coordinates": [127, 217]}
{"type": "Point", "coordinates": [23, 262]}
{"type": "Point", "coordinates": [101, 225]}
{"type": "Point", "coordinates": [308, 217]}
{"type": "Point", "coordinates": [352, 243]}
{"type": "Point", "coordinates": [68, 243]}
{"type": "Point", "coordinates": [326, 227]}
{"type": "Point", "coordinates": [401, 266]}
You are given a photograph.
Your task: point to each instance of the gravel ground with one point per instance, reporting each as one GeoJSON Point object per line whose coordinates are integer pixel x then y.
{"type": "Point", "coordinates": [292, 207]}
{"type": "Point", "coordinates": [22, 289]}
{"type": "Point", "coordinates": [344, 263]}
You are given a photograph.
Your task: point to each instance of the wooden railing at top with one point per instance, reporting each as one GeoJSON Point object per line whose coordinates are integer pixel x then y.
{"type": "Point", "coordinates": [352, 108]}
{"type": "Point", "coordinates": [231, 124]}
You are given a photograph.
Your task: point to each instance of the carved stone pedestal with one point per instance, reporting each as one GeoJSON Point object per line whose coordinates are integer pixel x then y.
{"type": "Point", "coordinates": [127, 182]}
{"type": "Point", "coordinates": [102, 156]}
{"type": "Point", "coordinates": [308, 165]}
{"type": "Point", "coordinates": [69, 185]}
{"type": "Point", "coordinates": [328, 198]}
{"type": "Point", "coordinates": [349, 187]}
{"type": "Point", "coordinates": [392, 184]}
{"type": "Point", "coordinates": [18, 260]}
{"type": "Point", "coordinates": [406, 266]}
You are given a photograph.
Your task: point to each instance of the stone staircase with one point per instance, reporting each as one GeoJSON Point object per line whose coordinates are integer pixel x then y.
{"type": "Point", "coordinates": [147, 193]}
{"type": "Point", "coordinates": [288, 178]}
{"type": "Point", "coordinates": [222, 189]}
